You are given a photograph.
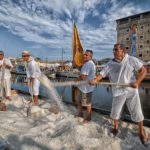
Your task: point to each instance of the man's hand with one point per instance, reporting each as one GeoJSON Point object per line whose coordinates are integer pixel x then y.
{"type": "Point", "coordinates": [93, 82]}
{"type": "Point", "coordinates": [135, 84]}
{"type": "Point", "coordinates": [8, 67]}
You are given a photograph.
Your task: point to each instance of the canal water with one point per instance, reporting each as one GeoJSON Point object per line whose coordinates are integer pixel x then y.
{"type": "Point", "coordinates": [102, 96]}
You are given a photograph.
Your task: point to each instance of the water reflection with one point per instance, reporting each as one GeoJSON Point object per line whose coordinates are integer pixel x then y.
{"type": "Point", "coordinates": [145, 98]}
{"type": "Point", "coordinates": [102, 97]}
{"type": "Point", "coordinates": [19, 79]}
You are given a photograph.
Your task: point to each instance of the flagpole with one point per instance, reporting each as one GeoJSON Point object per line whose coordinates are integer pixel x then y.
{"type": "Point", "coordinates": [73, 42]}
{"type": "Point", "coordinates": [74, 88]}
{"type": "Point", "coordinates": [62, 55]}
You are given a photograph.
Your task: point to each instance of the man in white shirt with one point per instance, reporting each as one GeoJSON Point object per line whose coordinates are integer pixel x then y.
{"type": "Point", "coordinates": [121, 70]}
{"type": "Point", "coordinates": [84, 95]}
{"type": "Point", "coordinates": [5, 76]}
{"type": "Point", "coordinates": [33, 72]}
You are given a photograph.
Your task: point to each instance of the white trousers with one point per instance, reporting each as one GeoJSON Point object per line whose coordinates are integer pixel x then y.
{"type": "Point", "coordinates": [133, 103]}
{"type": "Point", "coordinates": [5, 86]}
{"type": "Point", "coordinates": [35, 88]}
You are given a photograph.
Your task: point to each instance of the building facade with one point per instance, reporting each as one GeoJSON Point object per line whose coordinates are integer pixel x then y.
{"type": "Point", "coordinates": [134, 33]}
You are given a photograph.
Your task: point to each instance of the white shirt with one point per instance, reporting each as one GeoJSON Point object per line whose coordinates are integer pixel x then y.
{"type": "Point", "coordinates": [88, 69]}
{"type": "Point", "coordinates": [5, 73]}
{"type": "Point", "coordinates": [32, 69]}
{"type": "Point", "coordinates": [121, 73]}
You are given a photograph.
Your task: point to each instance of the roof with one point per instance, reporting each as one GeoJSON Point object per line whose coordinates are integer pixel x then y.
{"type": "Point", "coordinates": [134, 16]}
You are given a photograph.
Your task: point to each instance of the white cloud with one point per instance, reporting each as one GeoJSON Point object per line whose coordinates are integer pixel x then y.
{"type": "Point", "coordinates": [32, 19]}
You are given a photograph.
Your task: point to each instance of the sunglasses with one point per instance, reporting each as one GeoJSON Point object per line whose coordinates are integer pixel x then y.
{"type": "Point", "coordinates": [117, 50]}
{"type": "Point", "coordinates": [85, 54]}
{"type": "Point", "coordinates": [25, 55]}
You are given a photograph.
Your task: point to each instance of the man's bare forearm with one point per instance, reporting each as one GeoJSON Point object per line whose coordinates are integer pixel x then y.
{"type": "Point", "coordinates": [141, 75]}
{"type": "Point", "coordinates": [96, 79]}
{"type": "Point", "coordinates": [81, 77]}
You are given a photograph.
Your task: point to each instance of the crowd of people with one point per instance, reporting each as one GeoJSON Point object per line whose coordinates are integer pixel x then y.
{"type": "Point", "coordinates": [120, 70]}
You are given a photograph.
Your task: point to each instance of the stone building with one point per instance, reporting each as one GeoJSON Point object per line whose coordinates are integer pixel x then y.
{"type": "Point", "coordinates": [134, 33]}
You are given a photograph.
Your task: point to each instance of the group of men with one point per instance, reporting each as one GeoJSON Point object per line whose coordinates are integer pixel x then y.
{"type": "Point", "coordinates": [32, 71]}
{"type": "Point", "coordinates": [120, 70]}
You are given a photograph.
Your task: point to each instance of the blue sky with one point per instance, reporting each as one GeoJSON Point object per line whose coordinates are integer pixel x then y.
{"type": "Point", "coordinates": [44, 27]}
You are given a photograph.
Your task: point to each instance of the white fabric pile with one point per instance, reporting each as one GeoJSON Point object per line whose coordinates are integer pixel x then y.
{"type": "Point", "coordinates": [44, 130]}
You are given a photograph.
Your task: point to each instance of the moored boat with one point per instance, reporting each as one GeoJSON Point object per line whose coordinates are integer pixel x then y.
{"type": "Point", "coordinates": [68, 74]}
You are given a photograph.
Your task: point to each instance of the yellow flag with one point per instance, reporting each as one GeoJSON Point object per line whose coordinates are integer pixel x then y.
{"type": "Point", "coordinates": [77, 49]}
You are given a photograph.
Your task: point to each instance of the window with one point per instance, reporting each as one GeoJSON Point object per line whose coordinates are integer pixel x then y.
{"type": "Point", "coordinates": [148, 41]}
{"type": "Point", "coordinates": [128, 30]}
{"type": "Point", "coordinates": [141, 37]}
{"type": "Point", "coordinates": [127, 48]}
{"type": "Point", "coordinates": [142, 27]}
{"type": "Point", "coordinates": [141, 46]}
{"type": "Point", "coordinates": [127, 39]}
{"type": "Point", "coordinates": [140, 55]}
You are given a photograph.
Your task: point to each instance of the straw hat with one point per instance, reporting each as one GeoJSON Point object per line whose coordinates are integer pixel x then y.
{"type": "Point", "coordinates": [25, 53]}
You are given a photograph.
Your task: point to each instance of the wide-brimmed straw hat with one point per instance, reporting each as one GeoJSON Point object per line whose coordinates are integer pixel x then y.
{"type": "Point", "coordinates": [25, 53]}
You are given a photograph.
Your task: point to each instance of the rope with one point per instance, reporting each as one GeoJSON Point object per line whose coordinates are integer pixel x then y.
{"type": "Point", "coordinates": [75, 83]}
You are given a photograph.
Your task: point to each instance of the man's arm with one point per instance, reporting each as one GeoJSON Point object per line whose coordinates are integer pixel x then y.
{"type": "Point", "coordinates": [96, 79]}
{"type": "Point", "coordinates": [140, 76]}
{"type": "Point", "coordinates": [82, 77]}
{"type": "Point", "coordinates": [7, 64]}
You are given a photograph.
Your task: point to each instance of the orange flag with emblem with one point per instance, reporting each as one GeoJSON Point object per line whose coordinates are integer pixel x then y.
{"type": "Point", "coordinates": [77, 49]}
